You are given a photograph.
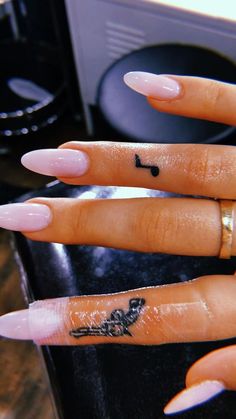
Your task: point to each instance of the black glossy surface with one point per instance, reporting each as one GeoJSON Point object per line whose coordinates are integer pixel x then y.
{"type": "Point", "coordinates": [10, 192]}
{"type": "Point", "coordinates": [129, 113]}
{"type": "Point", "coordinates": [116, 381]}
{"type": "Point", "coordinates": [39, 64]}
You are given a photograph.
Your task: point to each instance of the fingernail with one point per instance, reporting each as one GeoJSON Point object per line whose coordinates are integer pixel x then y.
{"type": "Point", "coordinates": [57, 162]}
{"type": "Point", "coordinates": [26, 324]}
{"type": "Point", "coordinates": [25, 217]}
{"type": "Point", "coordinates": [153, 85]}
{"type": "Point", "coordinates": [194, 396]}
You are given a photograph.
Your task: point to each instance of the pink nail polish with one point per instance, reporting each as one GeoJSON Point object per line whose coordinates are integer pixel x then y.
{"type": "Point", "coordinates": [194, 396]}
{"type": "Point", "coordinates": [32, 325]}
{"type": "Point", "coordinates": [57, 162]}
{"type": "Point", "coordinates": [153, 85]}
{"type": "Point", "coordinates": [25, 217]}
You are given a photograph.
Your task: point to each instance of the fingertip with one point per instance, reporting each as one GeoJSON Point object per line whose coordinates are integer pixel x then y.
{"type": "Point", "coordinates": [57, 162]}
{"type": "Point", "coordinates": [194, 395]}
{"type": "Point", "coordinates": [158, 86]}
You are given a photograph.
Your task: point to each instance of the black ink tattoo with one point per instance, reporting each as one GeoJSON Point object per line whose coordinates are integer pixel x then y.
{"type": "Point", "coordinates": [153, 169]}
{"type": "Point", "coordinates": [116, 325]}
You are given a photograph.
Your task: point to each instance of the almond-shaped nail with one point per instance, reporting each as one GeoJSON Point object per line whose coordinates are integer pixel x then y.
{"type": "Point", "coordinates": [57, 162]}
{"type": "Point", "coordinates": [25, 216]}
{"type": "Point", "coordinates": [153, 85]}
{"type": "Point", "coordinates": [32, 325]}
{"type": "Point", "coordinates": [194, 396]}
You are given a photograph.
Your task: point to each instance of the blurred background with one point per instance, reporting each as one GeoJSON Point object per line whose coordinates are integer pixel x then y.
{"type": "Point", "coordinates": [61, 69]}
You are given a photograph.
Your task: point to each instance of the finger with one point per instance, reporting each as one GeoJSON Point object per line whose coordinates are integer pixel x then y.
{"type": "Point", "coordinates": [199, 310]}
{"type": "Point", "coordinates": [175, 226]}
{"type": "Point", "coordinates": [194, 97]}
{"type": "Point", "coordinates": [168, 225]}
{"type": "Point", "coordinates": [208, 377]}
{"type": "Point", "coordinates": [195, 169]}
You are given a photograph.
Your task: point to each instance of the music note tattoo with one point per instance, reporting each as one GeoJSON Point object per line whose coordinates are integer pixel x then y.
{"type": "Point", "coordinates": [116, 325]}
{"type": "Point", "coordinates": [153, 169]}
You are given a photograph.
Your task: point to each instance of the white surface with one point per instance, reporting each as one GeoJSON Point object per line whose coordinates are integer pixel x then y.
{"type": "Point", "coordinates": [220, 9]}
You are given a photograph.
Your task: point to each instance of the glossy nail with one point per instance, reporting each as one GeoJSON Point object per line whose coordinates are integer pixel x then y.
{"type": "Point", "coordinates": [57, 162]}
{"type": "Point", "coordinates": [194, 396]}
{"type": "Point", "coordinates": [25, 216]}
{"type": "Point", "coordinates": [26, 324]}
{"type": "Point", "coordinates": [153, 85]}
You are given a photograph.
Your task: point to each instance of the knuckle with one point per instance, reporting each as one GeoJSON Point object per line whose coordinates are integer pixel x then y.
{"type": "Point", "coordinates": [210, 170]}
{"type": "Point", "coordinates": [154, 228]}
{"type": "Point", "coordinates": [213, 94]}
{"type": "Point", "coordinates": [223, 167]}
{"type": "Point", "coordinates": [205, 168]}
{"type": "Point", "coordinates": [79, 223]}
{"type": "Point", "coordinates": [202, 169]}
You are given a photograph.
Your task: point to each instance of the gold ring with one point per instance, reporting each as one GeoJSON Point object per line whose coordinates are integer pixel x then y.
{"type": "Point", "coordinates": [227, 223]}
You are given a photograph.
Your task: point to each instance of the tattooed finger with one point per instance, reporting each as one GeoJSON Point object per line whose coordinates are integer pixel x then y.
{"type": "Point", "coordinates": [196, 169]}
{"type": "Point", "coordinates": [199, 310]}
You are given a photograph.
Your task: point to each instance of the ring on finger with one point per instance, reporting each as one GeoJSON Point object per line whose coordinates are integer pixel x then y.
{"type": "Point", "coordinates": [227, 223]}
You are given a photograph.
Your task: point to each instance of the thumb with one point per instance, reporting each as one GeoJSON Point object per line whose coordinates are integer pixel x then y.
{"type": "Point", "coordinates": [207, 377]}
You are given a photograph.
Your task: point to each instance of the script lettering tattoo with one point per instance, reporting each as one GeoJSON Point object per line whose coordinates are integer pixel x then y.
{"type": "Point", "coordinates": [116, 325]}
{"type": "Point", "coordinates": [153, 169]}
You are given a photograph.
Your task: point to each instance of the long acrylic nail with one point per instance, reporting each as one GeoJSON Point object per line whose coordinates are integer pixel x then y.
{"type": "Point", "coordinates": [32, 325]}
{"type": "Point", "coordinates": [57, 162]}
{"type": "Point", "coordinates": [156, 86]}
{"type": "Point", "coordinates": [25, 216]}
{"type": "Point", "coordinates": [194, 396]}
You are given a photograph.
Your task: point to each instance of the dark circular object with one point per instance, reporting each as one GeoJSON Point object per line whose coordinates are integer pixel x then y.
{"type": "Point", "coordinates": [129, 113]}
{"type": "Point", "coordinates": [40, 65]}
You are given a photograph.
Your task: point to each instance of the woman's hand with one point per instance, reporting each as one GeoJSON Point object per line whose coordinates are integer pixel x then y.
{"type": "Point", "coordinates": [184, 226]}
